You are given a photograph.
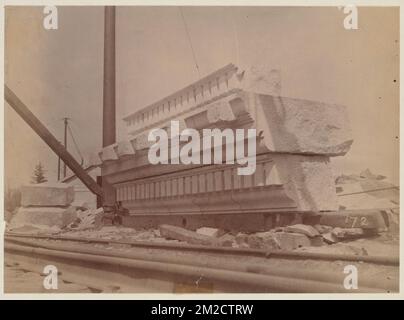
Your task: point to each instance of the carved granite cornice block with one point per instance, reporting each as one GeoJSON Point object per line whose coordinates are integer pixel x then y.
{"type": "Point", "coordinates": [249, 98]}
{"type": "Point", "coordinates": [220, 111]}
{"type": "Point", "coordinates": [286, 125]}
{"type": "Point", "coordinates": [142, 141]}
{"type": "Point", "coordinates": [295, 140]}
{"type": "Point", "coordinates": [216, 86]}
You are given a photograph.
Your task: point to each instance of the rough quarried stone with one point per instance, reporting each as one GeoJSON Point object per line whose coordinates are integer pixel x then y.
{"type": "Point", "coordinates": [211, 232]}
{"type": "Point", "coordinates": [365, 219]}
{"type": "Point", "coordinates": [220, 111]}
{"type": "Point", "coordinates": [254, 242]}
{"type": "Point", "coordinates": [302, 126]}
{"type": "Point", "coordinates": [87, 219]}
{"type": "Point", "coordinates": [350, 233]}
{"type": "Point", "coordinates": [263, 240]}
{"type": "Point", "coordinates": [303, 229]}
{"type": "Point", "coordinates": [329, 238]}
{"type": "Point", "coordinates": [261, 79]}
{"type": "Point", "coordinates": [47, 194]}
{"type": "Point", "coordinates": [317, 241]}
{"type": "Point", "coordinates": [322, 228]}
{"type": "Point", "coordinates": [226, 240]}
{"type": "Point", "coordinates": [308, 180]}
{"type": "Point", "coordinates": [291, 241]}
{"type": "Point", "coordinates": [177, 233]}
{"type": "Point", "coordinates": [43, 216]}
{"type": "Point", "coordinates": [242, 239]}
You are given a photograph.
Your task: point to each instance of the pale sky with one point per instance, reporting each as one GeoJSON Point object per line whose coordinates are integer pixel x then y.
{"type": "Point", "coordinates": [58, 73]}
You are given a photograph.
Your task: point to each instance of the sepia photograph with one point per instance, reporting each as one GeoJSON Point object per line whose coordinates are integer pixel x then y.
{"type": "Point", "coordinates": [201, 149]}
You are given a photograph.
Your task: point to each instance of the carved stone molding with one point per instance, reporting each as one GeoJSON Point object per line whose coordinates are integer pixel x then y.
{"type": "Point", "coordinates": [295, 140]}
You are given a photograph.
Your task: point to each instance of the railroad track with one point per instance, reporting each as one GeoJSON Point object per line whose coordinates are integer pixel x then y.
{"type": "Point", "coordinates": [139, 266]}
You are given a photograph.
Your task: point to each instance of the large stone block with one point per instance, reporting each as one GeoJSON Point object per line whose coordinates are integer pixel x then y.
{"type": "Point", "coordinates": [296, 139]}
{"type": "Point", "coordinates": [177, 233]}
{"type": "Point", "coordinates": [365, 219]}
{"type": "Point", "coordinates": [43, 216]}
{"type": "Point", "coordinates": [302, 126]}
{"type": "Point", "coordinates": [308, 180]}
{"type": "Point", "coordinates": [261, 79]}
{"type": "Point", "coordinates": [47, 194]}
{"type": "Point", "coordinates": [291, 241]}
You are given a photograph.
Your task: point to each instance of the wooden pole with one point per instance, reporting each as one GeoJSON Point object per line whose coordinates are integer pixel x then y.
{"type": "Point", "coordinates": [108, 130]}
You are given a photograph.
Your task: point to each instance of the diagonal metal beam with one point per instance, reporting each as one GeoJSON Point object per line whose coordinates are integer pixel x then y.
{"type": "Point", "coordinates": [51, 141]}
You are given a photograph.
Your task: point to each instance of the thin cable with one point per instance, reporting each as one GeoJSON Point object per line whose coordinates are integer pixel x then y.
{"type": "Point", "coordinates": [75, 144]}
{"type": "Point", "coordinates": [235, 34]}
{"type": "Point", "coordinates": [190, 42]}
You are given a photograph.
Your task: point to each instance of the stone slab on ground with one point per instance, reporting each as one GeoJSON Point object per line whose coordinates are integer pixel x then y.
{"type": "Point", "coordinates": [263, 240]}
{"type": "Point", "coordinates": [47, 195]}
{"type": "Point", "coordinates": [303, 229]}
{"type": "Point", "coordinates": [226, 240]}
{"type": "Point", "coordinates": [317, 241]}
{"type": "Point", "coordinates": [178, 233]}
{"type": "Point", "coordinates": [351, 233]}
{"type": "Point", "coordinates": [87, 219]}
{"type": "Point", "coordinates": [291, 241]}
{"type": "Point", "coordinates": [322, 228]}
{"type": "Point", "coordinates": [43, 216]}
{"type": "Point", "coordinates": [211, 232]}
{"type": "Point", "coordinates": [330, 238]}
{"type": "Point", "coordinates": [241, 239]}
{"type": "Point", "coordinates": [365, 219]}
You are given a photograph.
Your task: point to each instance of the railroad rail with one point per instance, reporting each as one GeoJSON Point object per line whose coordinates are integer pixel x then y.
{"type": "Point", "coordinates": [285, 254]}
{"type": "Point", "coordinates": [164, 267]}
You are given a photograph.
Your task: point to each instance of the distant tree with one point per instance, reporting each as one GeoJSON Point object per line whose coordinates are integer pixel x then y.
{"type": "Point", "coordinates": [39, 174]}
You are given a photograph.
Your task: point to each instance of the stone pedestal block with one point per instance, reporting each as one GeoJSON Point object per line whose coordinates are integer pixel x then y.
{"type": "Point", "coordinates": [43, 216]}
{"type": "Point", "coordinates": [47, 195]}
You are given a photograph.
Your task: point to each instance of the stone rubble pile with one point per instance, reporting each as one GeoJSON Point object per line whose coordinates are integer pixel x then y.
{"type": "Point", "coordinates": [87, 219]}
{"type": "Point", "coordinates": [280, 238]}
{"type": "Point", "coordinates": [118, 233]}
